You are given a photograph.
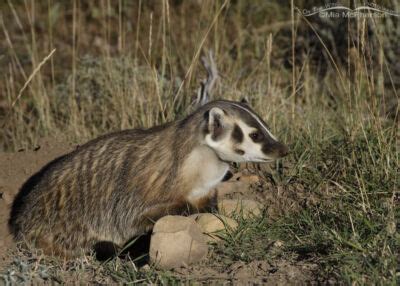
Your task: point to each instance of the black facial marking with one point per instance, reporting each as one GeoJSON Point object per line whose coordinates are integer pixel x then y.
{"type": "Point", "coordinates": [239, 151]}
{"type": "Point", "coordinates": [256, 136]}
{"type": "Point", "coordinates": [206, 118]}
{"type": "Point", "coordinates": [275, 148]}
{"type": "Point", "coordinates": [237, 134]}
{"type": "Point", "coordinates": [227, 176]}
{"type": "Point", "coordinates": [267, 148]}
{"type": "Point", "coordinates": [217, 128]}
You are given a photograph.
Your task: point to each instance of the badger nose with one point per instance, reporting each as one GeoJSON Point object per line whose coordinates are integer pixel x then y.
{"type": "Point", "coordinates": [283, 150]}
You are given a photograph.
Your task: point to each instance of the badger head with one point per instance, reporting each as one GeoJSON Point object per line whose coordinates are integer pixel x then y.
{"type": "Point", "coordinates": [237, 134]}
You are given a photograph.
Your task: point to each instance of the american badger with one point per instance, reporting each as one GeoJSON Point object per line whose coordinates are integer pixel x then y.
{"type": "Point", "coordinates": [115, 187]}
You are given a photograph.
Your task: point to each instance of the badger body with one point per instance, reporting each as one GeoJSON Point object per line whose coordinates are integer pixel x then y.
{"type": "Point", "coordinates": [115, 187]}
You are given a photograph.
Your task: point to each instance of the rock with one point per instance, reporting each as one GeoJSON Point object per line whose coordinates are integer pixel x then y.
{"type": "Point", "coordinates": [247, 208]}
{"type": "Point", "coordinates": [246, 178]}
{"type": "Point", "coordinates": [250, 179]}
{"type": "Point", "coordinates": [177, 241]}
{"type": "Point", "coordinates": [212, 224]}
{"type": "Point", "coordinates": [6, 198]}
{"type": "Point", "coordinates": [231, 187]}
{"type": "Point", "coordinates": [239, 183]}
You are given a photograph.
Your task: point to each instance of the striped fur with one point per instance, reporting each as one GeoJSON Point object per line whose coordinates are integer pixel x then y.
{"type": "Point", "coordinates": [116, 186]}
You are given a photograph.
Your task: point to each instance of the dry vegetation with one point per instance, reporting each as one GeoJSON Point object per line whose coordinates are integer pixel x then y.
{"type": "Point", "coordinates": [333, 97]}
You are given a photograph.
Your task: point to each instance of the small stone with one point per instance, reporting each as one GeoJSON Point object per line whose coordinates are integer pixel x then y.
{"type": "Point", "coordinates": [244, 177]}
{"type": "Point", "coordinates": [173, 223]}
{"type": "Point", "coordinates": [212, 224]}
{"type": "Point", "coordinates": [6, 198]}
{"type": "Point", "coordinates": [250, 179]}
{"type": "Point", "coordinates": [247, 208]}
{"type": "Point", "coordinates": [177, 241]}
{"type": "Point", "coordinates": [239, 183]}
{"type": "Point", "coordinates": [231, 187]}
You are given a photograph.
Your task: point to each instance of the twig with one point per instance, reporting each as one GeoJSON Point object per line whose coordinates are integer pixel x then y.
{"type": "Point", "coordinates": [204, 92]}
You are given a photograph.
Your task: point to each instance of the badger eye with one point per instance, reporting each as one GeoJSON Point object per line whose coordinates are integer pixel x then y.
{"type": "Point", "coordinates": [256, 136]}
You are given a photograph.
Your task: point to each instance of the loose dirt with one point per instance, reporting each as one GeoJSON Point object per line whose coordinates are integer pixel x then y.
{"type": "Point", "coordinates": [15, 169]}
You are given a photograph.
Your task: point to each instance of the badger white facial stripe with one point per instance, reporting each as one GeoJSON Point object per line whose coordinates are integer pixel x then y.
{"type": "Point", "coordinates": [256, 118]}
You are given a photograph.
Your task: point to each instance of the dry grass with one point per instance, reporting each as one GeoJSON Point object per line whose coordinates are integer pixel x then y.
{"type": "Point", "coordinates": [330, 89]}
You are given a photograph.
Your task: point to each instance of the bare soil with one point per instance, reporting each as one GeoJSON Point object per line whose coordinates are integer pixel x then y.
{"type": "Point", "coordinates": [257, 272]}
{"type": "Point", "coordinates": [15, 169]}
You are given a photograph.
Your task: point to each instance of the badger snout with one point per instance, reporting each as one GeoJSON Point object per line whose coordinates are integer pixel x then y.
{"type": "Point", "coordinates": [275, 149]}
{"type": "Point", "coordinates": [283, 150]}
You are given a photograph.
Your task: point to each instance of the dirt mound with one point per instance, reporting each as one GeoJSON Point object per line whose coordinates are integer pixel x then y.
{"type": "Point", "coordinates": [15, 169]}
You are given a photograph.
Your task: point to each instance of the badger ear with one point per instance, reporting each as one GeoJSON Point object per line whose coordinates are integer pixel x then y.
{"type": "Point", "coordinates": [244, 101]}
{"type": "Point", "coordinates": [216, 124]}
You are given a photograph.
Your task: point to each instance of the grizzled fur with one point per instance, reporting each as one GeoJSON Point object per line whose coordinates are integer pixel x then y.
{"type": "Point", "coordinates": [116, 186]}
